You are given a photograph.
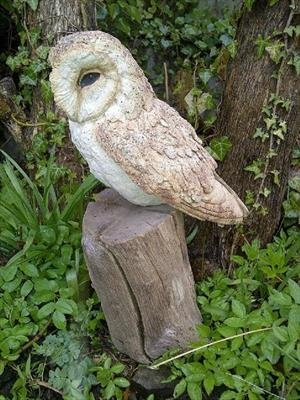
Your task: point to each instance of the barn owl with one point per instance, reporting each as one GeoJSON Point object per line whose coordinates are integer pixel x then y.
{"type": "Point", "coordinates": [132, 141]}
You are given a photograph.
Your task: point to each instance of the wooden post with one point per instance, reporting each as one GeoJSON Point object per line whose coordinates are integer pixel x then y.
{"type": "Point", "coordinates": [139, 267]}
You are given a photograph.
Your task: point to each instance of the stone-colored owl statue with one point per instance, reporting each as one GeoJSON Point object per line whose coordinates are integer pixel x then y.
{"type": "Point", "coordinates": [132, 141]}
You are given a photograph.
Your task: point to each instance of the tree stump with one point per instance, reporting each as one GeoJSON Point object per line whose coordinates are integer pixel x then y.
{"type": "Point", "coordinates": [138, 263]}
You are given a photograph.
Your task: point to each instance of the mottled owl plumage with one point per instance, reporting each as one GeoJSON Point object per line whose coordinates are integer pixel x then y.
{"type": "Point", "coordinates": [132, 141]}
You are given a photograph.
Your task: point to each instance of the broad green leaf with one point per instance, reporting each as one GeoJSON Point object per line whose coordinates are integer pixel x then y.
{"type": "Point", "coordinates": [226, 331]}
{"type": "Point", "coordinates": [109, 390]}
{"type": "Point", "coordinates": [117, 368]}
{"type": "Point", "coordinates": [64, 306]}
{"type": "Point", "coordinates": [281, 333]}
{"type": "Point", "coordinates": [238, 308]}
{"type": "Point", "coordinates": [29, 270]}
{"type": "Point", "coordinates": [59, 320]}
{"type": "Point", "coordinates": [121, 382]}
{"type": "Point", "coordinates": [26, 288]}
{"type": "Point", "coordinates": [209, 382]}
{"type": "Point", "coordinates": [279, 298]}
{"type": "Point", "coordinates": [8, 273]}
{"type": "Point", "coordinates": [294, 290]}
{"type": "Point", "coordinates": [179, 388]}
{"type": "Point", "coordinates": [194, 391]}
{"type": "Point", "coordinates": [46, 310]}
{"type": "Point", "coordinates": [235, 322]}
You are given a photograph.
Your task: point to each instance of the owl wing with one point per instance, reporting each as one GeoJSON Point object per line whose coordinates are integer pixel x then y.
{"type": "Point", "coordinates": [161, 153]}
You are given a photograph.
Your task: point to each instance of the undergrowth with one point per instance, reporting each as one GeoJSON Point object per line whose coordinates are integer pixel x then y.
{"type": "Point", "coordinates": [53, 338]}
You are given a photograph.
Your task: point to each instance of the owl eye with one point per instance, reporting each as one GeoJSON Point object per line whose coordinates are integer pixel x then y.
{"type": "Point", "coordinates": [88, 79]}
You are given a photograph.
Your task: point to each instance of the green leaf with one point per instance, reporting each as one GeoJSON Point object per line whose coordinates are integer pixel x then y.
{"type": "Point", "coordinates": [109, 391]}
{"type": "Point", "coordinates": [228, 395]}
{"type": "Point", "coordinates": [226, 331]}
{"type": "Point", "coordinates": [8, 273]}
{"type": "Point", "coordinates": [249, 4]}
{"type": "Point", "coordinates": [64, 306]}
{"type": "Point", "coordinates": [179, 388]}
{"type": "Point", "coordinates": [134, 13]}
{"type": "Point", "coordinates": [194, 391]}
{"type": "Point", "coordinates": [275, 50]}
{"type": "Point", "coordinates": [294, 290]}
{"type": "Point", "coordinates": [238, 308]}
{"type": "Point", "coordinates": [121, 382]}
{"type": "Point", "coordinates": [235, 322]}
{"type": "Point", "coordinates": [113, 10]}
{"type": "Point", "coordinates": [209, 382]}
{"type": "Point", "coordinates": [205, 75]}
{"type": "Point", "coordinates": [219, 147]}
{"type": "Point", "coordinates": [33, 4]}
{"type": "Point", "coordinates": [46, 310]}
{"type": "Point", "coordinates": [281, 333]}
{"type": "Point", "coordinates": [26, 288]}
{"type": "Point", "coordinates": [279, 298]}
{"type": "Point", "coordinates": [117, 368]}
{"type": "Point", "coordinates": [29, 270]}
{"type": "Point", "coordinates": [59, 320]}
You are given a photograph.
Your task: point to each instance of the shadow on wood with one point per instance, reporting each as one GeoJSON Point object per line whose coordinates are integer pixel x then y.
{"type": "Point", "coordinates": [139, 267]}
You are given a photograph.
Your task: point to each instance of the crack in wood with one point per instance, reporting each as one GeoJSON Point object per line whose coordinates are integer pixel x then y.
{"type": "Point", "coordinates": [133, 298]}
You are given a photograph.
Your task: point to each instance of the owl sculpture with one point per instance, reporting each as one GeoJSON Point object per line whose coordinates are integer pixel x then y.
{"type": "Point", "coordinates": [132, 141]}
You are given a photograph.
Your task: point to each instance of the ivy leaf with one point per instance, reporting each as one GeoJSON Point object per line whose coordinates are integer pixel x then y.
{"type": "Point", "coordinates": [219, 147]}
{"type": "Point", "coordinates": [296, 63]}
{"type": "Point", "coordinates": [259, 133]}
{"type": "Point", "coordinates": [275, 51]}
{"type": "Point", "coordinates": [205, 75]}
{"type": "Point", "coordinates": [261, 44]}
{"type": "Point", "coordinates": [33, 4]}
{"type": "Point", "coordinates": [249, 4]}
{"type": "Point", "coordinates": [270, 122]}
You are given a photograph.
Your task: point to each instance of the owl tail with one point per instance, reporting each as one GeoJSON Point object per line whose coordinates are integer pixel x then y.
{"type": "Point", "coordinates": [222, 205]}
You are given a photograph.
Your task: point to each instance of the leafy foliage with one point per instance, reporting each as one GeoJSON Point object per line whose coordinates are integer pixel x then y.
{"type": "Point", "coordinates": [43, 281]}
{"type": "Point", "coordinates": [263, 292]}
{"type": "Point", "coordinates": [181, 37]}
{"type": "Point", "coordinates": [44, 275]}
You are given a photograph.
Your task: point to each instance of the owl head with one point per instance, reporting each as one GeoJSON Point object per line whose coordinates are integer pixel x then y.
{"type": "Point", "coordinates": [93, 73]}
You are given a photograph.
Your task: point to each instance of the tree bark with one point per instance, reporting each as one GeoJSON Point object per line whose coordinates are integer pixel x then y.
{"type": "Point", "coordinates": [60, 17]}
{"type": "Point", "coordinates": [139, 267]}
{"type": "Point", "coordinates": [249, 84]}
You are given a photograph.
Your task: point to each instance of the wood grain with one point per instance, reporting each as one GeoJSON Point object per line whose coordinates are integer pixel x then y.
{"type": "Point", "coordinates": [139, 267]}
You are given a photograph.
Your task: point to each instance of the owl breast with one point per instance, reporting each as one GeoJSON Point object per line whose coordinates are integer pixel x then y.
{"type": "Point", "coordinates": [104, 168]}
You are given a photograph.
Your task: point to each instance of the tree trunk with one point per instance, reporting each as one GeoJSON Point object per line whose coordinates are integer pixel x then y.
{"type": "Point", "coordinates": [138, 263]}
{"type": "Point", "coordinates": [59, 17]}
{"type": "Point", "coordinates": [250, 82]}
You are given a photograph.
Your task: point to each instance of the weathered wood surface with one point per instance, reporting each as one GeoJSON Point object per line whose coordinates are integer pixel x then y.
{"type": "Point", "coordinates": [138, 263]}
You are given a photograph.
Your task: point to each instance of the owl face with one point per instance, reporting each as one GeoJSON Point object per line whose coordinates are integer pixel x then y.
{"type": "Point", "coordinates": [88, 79]}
